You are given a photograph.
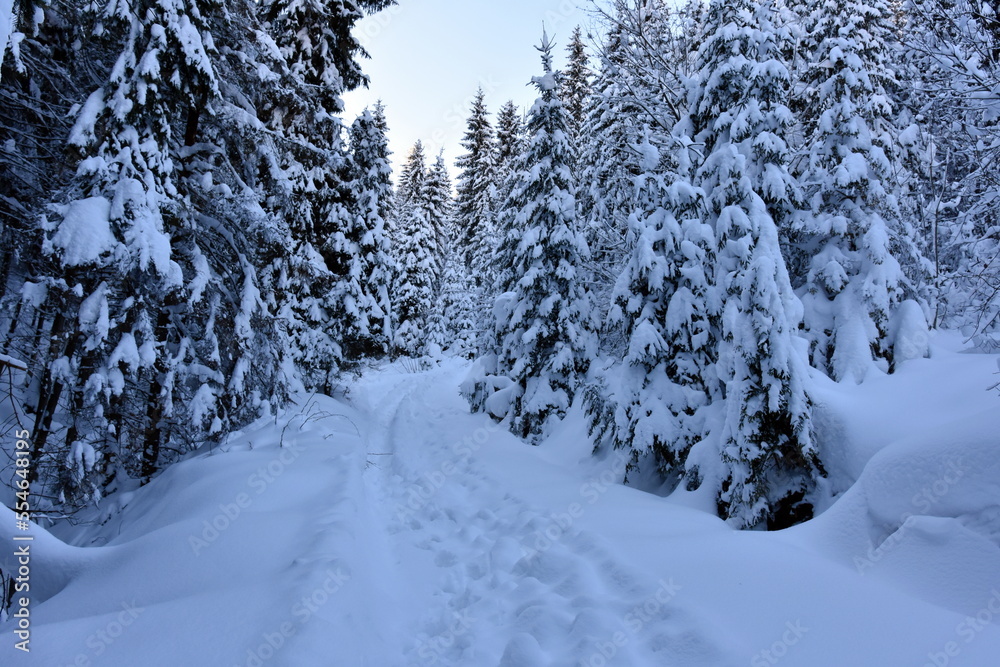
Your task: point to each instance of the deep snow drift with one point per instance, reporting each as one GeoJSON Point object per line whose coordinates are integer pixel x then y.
{"type": "Point", "coordinates": [394, 528]}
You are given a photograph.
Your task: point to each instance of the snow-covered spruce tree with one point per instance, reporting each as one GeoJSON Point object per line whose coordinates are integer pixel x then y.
{"type": "Point", "coordinates": [119, 377]}
{"type": "Point", "coordinates": [224, 341]}
{"type": "Point", "coordinates": [315, 37]}
{"type": "Point", "coordinates": [438, 201]}
{"type": "Point", "coordinates": [661, 301]}
{"type": "Point", "coordinates": [37, 89]}
{"type": "Point", "coordinates": [163, 333]}
{"type": "Point", "coordinates": [475, 193]}
{"type": "Point", "coordinates": [510, 137]}
{"type": "Point", "coordinates": [413, 295]}
{"type": "Point", "coordinates": [357, 250]}
{"type": "Point", "coordinates": [412, 177]}
{"type": "Point", "coordinates": [388, 197]}
{"type": "Point", "coordinates": [543, 326]}
{"type": "Point", "coordinates": [439, 206]}
{"type": "Point", "coordinates": [854, 282]}
{"type": "Point", "coordinates": [576, 85]}
{"type": "Point", "coordinates": [417, 252]}
{"type": "Point", "coordinates": [290, 190]}
{"type": "Point", "coordinates": [638, 97]}
{"type": "Point", "coordinates": [373, 190]}
{"type": "Point", "coordinates": [739, 116]}
{"type": "Point", "coordinates": [638, 85]}
{"type": "Point", "coordinates": [141, 380]}
{"type": "Point", "coordinates": [408, 195]}
{"type": "Point", "coordinates": [340, 232]}
{"type": "Point", "coordinates": [608, 166]}
{"type": "Point", "coordinates": [39, 308]}
{"type": "Point", "coordinates": [312, 283]}
{"type": "Point", "coordinates": [510, 143]}
{"type": "Point", "coordinates": [455, 319]}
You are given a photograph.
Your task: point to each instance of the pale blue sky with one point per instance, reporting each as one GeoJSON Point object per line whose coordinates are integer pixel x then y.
{"type": "Point", "coordinates": [429, 56]}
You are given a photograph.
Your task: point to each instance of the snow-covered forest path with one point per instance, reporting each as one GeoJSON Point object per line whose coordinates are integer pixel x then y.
{"type": "Point", "coordinates": [479, 574]}
{"type": "Point", "coordinates": [392, 527]}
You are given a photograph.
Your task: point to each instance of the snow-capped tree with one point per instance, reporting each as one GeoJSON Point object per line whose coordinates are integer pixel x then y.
{"type": "Point", "coordinates": [180, 317]}
{"type": "Point", "coordinates": [455, 320]}
{"type": "Point", "coordinates": [661, 301]}
{"type": "Point", "coordinates": [438, 205]}
{"type": "Point", "coordinates": [510, 136]}
{"type": "Point", "coordinates": [128, 198]}
{"type": "Point", "coordinates": [438, 201]}
{"type": "Point", "coordinates": [323, 303]}
{"type": "Point", "coordinates": [739, 117]}
{"type": "Point", "coordinates": [509, 144]}
{"type": "Point", "coordinates": [421, 209]}
{"type": "Point", "coordinates": [413, 294]}
{"type": "Point", "coordinates": [637, 93]}
{"type": "Point", "coordinates": [576, 84]}
{"type": "Point", "coordinates": [854, 281]}
{"type": "Point", "coordinates": [317, 43]}
{"type": "Point", "coordinates": [542, 325]}
{"type": "Point", "coordinates": [359, 250]}
{"type": "Point", "coordinates": [412, 177]}
{"type": "Point", "coordinates": [380, 152]}
{"type": "Point", "coordinates": [608, 164]}
{"type": "Point", "coordinates": [475, 199]}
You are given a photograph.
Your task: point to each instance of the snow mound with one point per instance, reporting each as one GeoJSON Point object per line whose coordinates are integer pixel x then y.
{"type": "Point", "coordinates": [910, 334]}
{"type": "Point", "coordinates": [53, 564]}
{"type": "Point", "coordinates": [925, 516]}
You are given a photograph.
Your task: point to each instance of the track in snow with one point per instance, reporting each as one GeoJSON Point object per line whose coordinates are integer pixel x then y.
{"type": "Point", "coordinates": [482, 578]}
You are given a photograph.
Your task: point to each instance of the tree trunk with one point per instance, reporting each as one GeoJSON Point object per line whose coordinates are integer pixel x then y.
{"type": "Point", "coordinates": [48, 397]}
{"type": "Point", "coordinates": [154, 405]}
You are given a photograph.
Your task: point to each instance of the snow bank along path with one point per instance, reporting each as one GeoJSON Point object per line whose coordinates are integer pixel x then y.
{"type": "Point", "coordinates": [396, 529]}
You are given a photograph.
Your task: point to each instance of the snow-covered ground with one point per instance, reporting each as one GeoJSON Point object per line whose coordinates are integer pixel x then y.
{"type": "Point", "coordinates": [394, 528]}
